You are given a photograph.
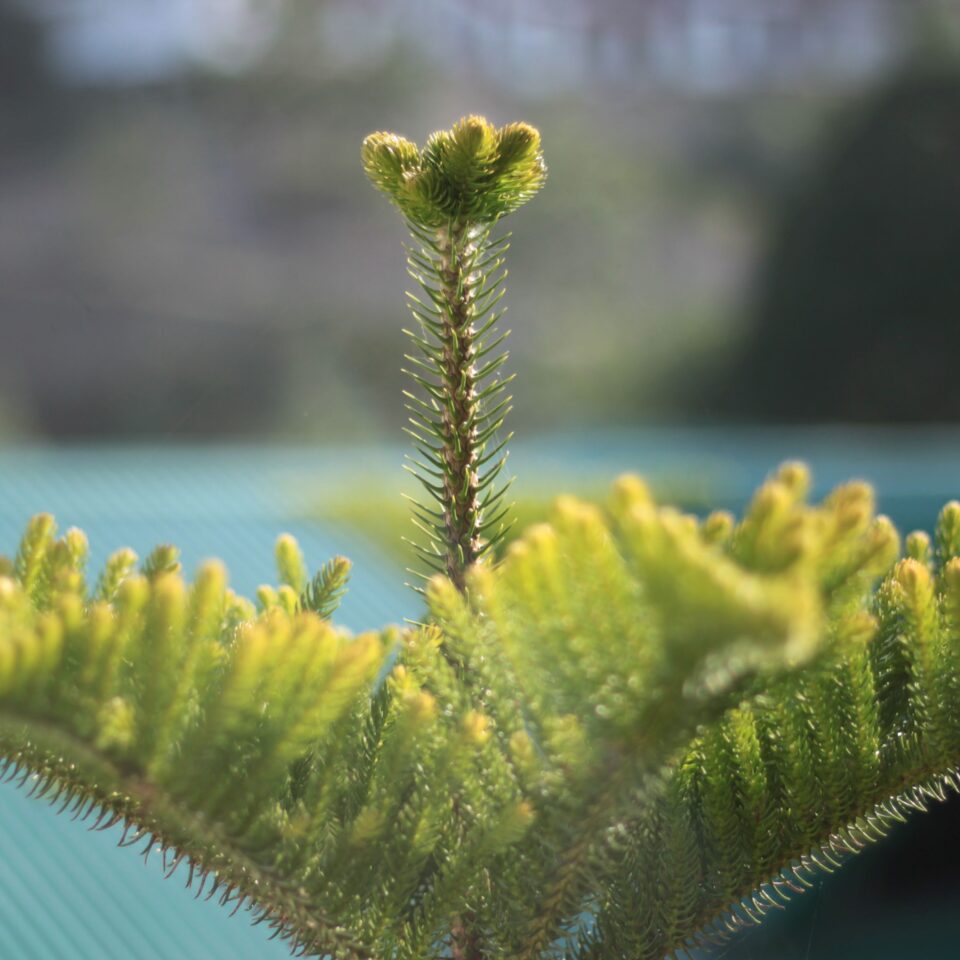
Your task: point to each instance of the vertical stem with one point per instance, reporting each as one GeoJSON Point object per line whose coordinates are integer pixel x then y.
{"type": "Point", "coordinates": [461, 501]}
{"type": "Point", "coordinates": [459, 451]}
{"type": "Point", "coordinates": [465, 943]}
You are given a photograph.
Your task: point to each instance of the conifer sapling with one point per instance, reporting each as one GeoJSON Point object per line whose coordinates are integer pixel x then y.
{"type": "Point", "coordinates": [637, 734]}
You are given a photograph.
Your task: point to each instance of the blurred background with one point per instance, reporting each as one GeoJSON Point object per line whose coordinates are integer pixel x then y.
{"type": "Point", "coordinates": [748, 248]}
{"type": "Point", "coordinates": [749, 214]}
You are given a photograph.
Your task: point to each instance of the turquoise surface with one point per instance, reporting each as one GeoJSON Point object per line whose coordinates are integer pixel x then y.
{"type": "Point", "coordinates": [69, 893]}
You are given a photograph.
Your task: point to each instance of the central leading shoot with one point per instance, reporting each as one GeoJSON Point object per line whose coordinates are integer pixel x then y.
{"type": "Point", "coordinates": [452, 193]}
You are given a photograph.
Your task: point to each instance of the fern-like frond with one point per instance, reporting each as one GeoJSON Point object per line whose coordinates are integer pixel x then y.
{"type": "Point", "coordinates": [626, 629]}
{"type": "Point", "coordinates": [175, 710]}
{"type": "Point", "coordinates": [264, 749]}
{"type": "Point", "coordinates": [639, 732]}
{"type": "Point", "coordinates": [807, 771]}
{"type": "Point", "coordinates": [325, 591]}
{"type": "Point", "coordinates": [322, 594]}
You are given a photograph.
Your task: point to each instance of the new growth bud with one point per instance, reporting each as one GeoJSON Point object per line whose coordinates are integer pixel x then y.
{"type": "Point", "coordinates": [473, 172]}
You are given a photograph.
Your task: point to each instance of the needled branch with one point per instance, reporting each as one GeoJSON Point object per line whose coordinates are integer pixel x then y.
{"type": "Point", "coordinates": [452, 193]}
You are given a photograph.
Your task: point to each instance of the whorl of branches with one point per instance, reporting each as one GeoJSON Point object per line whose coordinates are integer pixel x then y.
{"type": "Point", "coordinates": [639, 732]}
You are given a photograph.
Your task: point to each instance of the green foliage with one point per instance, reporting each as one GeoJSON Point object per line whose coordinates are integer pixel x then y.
{"type": "Point", "coordinates": [472, 172]}
{"type": "Point", "coordinates": [627, 632]}
{"type": "Point", "coordinates": [322, 594]}
{"type": "Point", "coordinates": [634, 735]}
{"type": "Point", "coordinates": [325, 591]}
{"type": "Point", "coordinates": [368, 503]}
{"type": "Point", "coordinates": [637, 733]}
{"type": "Point", "coordinates": [866, 232]}
{"type": "Point", "coordinates": [452, 193]}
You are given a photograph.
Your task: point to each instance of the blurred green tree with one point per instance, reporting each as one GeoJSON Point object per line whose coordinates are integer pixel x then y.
{"type": "Point", "coordinates": [860, 291]}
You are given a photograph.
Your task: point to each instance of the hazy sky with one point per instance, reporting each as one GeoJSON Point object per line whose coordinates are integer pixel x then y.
{"type": "Point", "coordinates": [142, 40]}
{"type": "Point", "coordinates": [716, 45]}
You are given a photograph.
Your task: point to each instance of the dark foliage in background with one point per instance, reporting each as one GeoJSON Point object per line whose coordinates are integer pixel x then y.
{"type": "Point", "coordinates": [857, 314]}
{"type": "Point", "coordinates": [22, 70]}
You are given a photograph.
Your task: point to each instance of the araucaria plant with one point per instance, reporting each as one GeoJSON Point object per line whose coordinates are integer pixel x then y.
{"type": "Point", "coordinates": [637, 733]}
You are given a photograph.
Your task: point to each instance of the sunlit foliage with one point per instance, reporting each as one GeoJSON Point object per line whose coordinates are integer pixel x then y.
{"type": "Point", "coordinates": [636, 733]}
